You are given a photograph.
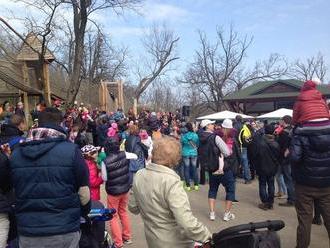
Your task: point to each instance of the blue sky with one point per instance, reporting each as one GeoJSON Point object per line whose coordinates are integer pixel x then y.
{"type": "Point", "coordinates": [293, 28]}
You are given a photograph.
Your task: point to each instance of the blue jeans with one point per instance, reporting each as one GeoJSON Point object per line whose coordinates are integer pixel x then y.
{"type": "Point", "coordinates": [190, 170]}
{"type": "Point", "coordinates": [286, 170]}
{"type": "Point", "coordinates": [245, 165]}
{"type": "Point", "coordinates": [280, 181]}
{"type": "Point", "coordinates": [227, 180]}
{"type": "Point", "coordinates": [266, 189]}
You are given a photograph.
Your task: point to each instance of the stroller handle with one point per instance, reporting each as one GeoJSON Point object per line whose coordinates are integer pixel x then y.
{"type": "Point", "coordinates": [272, 225]}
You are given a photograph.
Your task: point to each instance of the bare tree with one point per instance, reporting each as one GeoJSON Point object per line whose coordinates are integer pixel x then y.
{"type": "Point", "coordinates": [160, 45]}
{"type": "Point", "coordinates": [218, 69]}
{"type": "Point", "coordinates": [312, 67]}
{"type": "Point", "coordinates": [82, 11]}
{"type": "Point", "coordinates": [162, 96]}
{"type": "Point", "coordinates": [43, 31]}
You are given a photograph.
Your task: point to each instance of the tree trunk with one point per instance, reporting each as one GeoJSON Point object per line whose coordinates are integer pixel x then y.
{"type": "Point", "coordinates": [135, 105]}
{"type": "Point", "coordinates": [75, 77]}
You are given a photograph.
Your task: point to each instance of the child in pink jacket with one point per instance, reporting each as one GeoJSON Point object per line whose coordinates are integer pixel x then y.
{"type": "Point", "coordinates": [90, 153]}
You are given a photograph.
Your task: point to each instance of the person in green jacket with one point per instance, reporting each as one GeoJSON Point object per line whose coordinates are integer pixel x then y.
{"type": "Point", "coordinates": [190, 143]}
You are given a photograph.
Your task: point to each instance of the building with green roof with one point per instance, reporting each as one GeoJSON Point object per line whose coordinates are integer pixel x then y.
{"type": "Point", "coordinates": [266, 96]}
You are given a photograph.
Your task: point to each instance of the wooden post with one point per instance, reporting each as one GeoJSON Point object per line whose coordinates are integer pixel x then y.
{"type": "Point", "coordinates": [121, 94]}
{"type": "Point", "coordinates": [25, 99]}
{"type": "Point", "coordinates": [45, 70]}
{"type": "Point", "coordinates": [135, 106]}
{"type": "Point", "coordinates": [26, 107]}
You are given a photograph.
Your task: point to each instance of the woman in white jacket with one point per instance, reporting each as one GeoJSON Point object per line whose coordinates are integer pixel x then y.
{"type": "Point", "coordinates": [159, 197]}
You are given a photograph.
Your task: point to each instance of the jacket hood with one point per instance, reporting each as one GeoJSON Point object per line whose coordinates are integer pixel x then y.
{"type": "Point", "coordinates": [188, 136]}
{"type": "Point", "coordinates": [204, 136]}
{"type": "Point", "coordinates": [36, 149]}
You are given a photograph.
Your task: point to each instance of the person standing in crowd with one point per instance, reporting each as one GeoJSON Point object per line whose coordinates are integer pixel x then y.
{"type": "Point", "coordinates": [38, 108]}
{"type": "Point", "coordinates": [168, 219]}
{"type": "Point", "coordinates": [115, 172]}
{"type": "Point", "coordinates": [12, 132]}
{"type": "Point", "coordinates": [211, 146]}
{"type": "Point", "coordinates": [232, 162]}
{"type": "Point", "coordinates": [238, 125]}
{"type": "Point", "coordinates": [245, 137]}
{"type": "Point", "coordinates": [90, 154]}
{"type": "Point", "coordinates": [284, 139]}
{"type": "Point", "coordinates": [134, 145]}
{"type": "Point", "coordinates": [19, 110]}
{"type": "Point", "coordinates": [190, 143]}
{"type": "Point", "coordinates": [49, 174]}
{"type": "Point", "coordinates": [265, 152]}
{"type": "Point", "coordinates": [147, 141]}
{"type": "Point", "coordinates": [6, 112]}
{"type": "Point", "coordinates": [5, 208]}
{"type": "Point", "coordinates": [101, 131]}
{"type": "Point", "coordinates": [113, 131]}
{"type": "Point", "coordinates": [310, 157]}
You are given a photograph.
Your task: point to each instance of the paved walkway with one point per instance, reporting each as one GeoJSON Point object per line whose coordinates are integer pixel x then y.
{"type": "Point", "coordinates": [246, 211]}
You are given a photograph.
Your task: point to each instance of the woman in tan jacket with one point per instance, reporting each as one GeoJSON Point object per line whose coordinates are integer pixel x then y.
{"type": "Point", "coordinates": [159, 197]}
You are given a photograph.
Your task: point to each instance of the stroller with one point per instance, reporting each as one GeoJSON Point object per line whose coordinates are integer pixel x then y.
{"type": "Point", "coordinates": [252, 235]}
{"type": "Point", "coordinates": [93, 234]}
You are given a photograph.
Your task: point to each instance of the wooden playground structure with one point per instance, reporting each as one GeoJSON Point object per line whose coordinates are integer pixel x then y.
{"type": "Point", "coordinates": [26, 77]}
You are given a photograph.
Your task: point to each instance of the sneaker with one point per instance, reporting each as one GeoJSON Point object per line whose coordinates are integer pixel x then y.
{"type": "Point", "coordinates": [286, 204]}
{"type": "Point", "coordinates": [127, 241]}
{"type": "Point", "coordinates": [212, 216]}
{"type": "Point", "coordinates": [228, 216]}
{"type": "Point", "coordinates": [196, 187]}
{"type": "Point", "coordinates": [187, 188]}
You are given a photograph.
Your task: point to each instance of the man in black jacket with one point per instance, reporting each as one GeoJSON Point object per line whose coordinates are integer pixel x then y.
{"type": "Point", "coordinates": [266, 154]}
{"type": "Point", "coordinates": [310, 157]}
{"type": "Point", "coordinates": [5, 187]}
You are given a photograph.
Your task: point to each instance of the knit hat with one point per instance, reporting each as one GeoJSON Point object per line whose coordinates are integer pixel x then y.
{"type": "Point", "coordinates": [311, 84]}
{"type": "Point", "coordinates": [89, 149]}
{"type": "Point", "coordinates": [227, 123]}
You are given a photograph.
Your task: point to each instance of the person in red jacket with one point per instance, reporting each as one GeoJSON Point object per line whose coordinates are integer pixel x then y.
{"type": "Point", "coordinates": [90, 153]}
{"type": "Point", "coordinates": [310, 104]}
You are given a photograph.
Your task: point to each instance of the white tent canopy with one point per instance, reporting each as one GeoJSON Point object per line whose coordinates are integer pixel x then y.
{"type": "Point", "coordinates": [276, 114]}
{"type": "Point", "coordinates": [223, 115]}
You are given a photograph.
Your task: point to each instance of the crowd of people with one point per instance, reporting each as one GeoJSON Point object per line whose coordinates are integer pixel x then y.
{"type": "Point", "coordinates": [52, 172]}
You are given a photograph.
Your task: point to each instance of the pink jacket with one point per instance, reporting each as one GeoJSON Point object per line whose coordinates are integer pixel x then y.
{"type": "Point", "coordinates": [94, 179]}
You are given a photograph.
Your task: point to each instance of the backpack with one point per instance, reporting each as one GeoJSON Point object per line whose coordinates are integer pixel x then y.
{"type": "Point", "coordinates": [245, 136]}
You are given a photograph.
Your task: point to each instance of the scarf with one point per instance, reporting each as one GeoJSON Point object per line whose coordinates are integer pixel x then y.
{"type": "Point", "coordinates": [42, 133]}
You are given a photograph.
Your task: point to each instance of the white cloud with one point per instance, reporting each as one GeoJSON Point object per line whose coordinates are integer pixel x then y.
{"type": "Point", "coordinates": [164, 12]}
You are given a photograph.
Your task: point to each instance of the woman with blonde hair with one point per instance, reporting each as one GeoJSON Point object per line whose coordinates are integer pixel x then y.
{"type": "Point", "coordinates": [159, 197]}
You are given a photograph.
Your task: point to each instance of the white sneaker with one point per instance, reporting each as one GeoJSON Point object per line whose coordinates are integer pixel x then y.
{"type": "Point", "coordinates": [212, 216]}
{"type": "Point", "coordinates": [228, 216]}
